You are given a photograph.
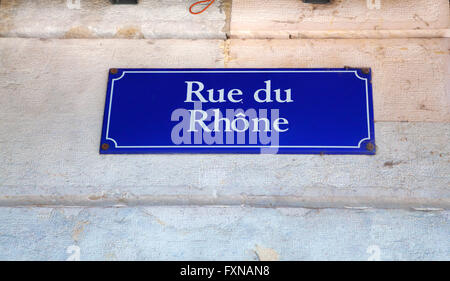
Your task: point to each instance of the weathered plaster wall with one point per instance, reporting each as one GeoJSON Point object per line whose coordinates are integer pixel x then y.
{"type": "Point", "coordinates": [284, 18]}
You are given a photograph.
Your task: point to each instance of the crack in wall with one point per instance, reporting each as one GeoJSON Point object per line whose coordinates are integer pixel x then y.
{"type": "Point", "coordinates": [226, 7]}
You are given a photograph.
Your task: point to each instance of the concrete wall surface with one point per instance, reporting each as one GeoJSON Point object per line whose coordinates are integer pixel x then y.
{"type": "Point", "coordinates": [222, 233]}
{"type": "Point", "coordinates": [60, 199]}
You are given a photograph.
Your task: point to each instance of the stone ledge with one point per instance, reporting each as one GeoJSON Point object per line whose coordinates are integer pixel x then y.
{"type": "Point", "coordinates": [221, 233]}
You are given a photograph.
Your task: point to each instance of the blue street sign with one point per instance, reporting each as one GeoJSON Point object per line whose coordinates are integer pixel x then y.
{"type": "Point", "coordinates": [290, 111]}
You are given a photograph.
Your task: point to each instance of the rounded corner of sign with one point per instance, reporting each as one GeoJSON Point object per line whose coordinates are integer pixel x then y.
{"type": "Point", "coordinates": [363, 73]}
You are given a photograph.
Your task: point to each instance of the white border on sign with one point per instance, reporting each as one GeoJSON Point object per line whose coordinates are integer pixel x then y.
{"type": "Point", "coordinates": [240, 146]}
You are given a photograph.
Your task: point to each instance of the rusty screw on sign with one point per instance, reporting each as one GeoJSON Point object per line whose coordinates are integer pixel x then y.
{"type": "Point", "coordinates": [105, 146]}
{"type": "Point", "coordinates": [316, 1]}
{"type": "Point", "coordinates": [113, 70]}
{"type": "Point", "coordinates": [370, 146]}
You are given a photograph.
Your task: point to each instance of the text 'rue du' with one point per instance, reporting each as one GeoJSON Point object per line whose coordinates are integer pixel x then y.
{"type": "Point", "coordinates": [195, 93]}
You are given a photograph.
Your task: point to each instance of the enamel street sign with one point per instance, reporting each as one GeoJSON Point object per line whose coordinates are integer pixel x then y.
{"type": "Point", "coordinates": [288, 111]}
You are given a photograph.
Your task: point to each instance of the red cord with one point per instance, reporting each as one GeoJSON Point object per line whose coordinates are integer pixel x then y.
{"type": "Point", "coordinates": [199, 2]}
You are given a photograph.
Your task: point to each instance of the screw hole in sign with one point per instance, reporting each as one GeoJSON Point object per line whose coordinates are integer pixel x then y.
{"type": "Point", "coordinates": [209, 3]}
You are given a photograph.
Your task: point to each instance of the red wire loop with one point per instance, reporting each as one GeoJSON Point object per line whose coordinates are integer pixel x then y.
{"type": "Point", "coordinates": [200, 2]}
